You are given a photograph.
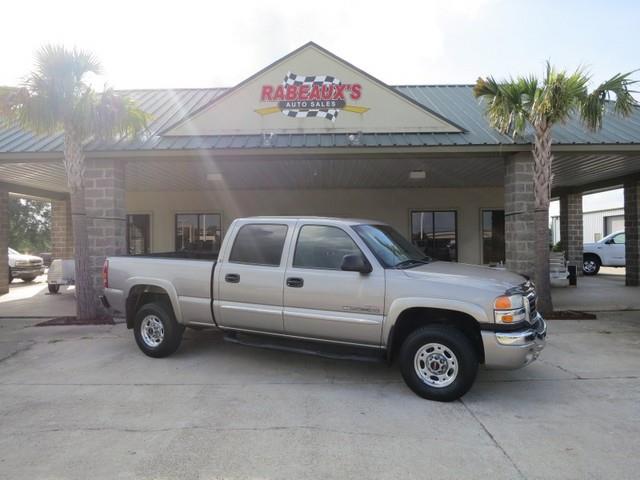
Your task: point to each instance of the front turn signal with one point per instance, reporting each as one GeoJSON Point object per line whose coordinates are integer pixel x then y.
{"type": "Point", "coordinates": [502, 303]}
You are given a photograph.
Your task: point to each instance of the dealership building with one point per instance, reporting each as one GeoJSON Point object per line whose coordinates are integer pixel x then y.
{"type": "Point", "coordinates": [311, 134]}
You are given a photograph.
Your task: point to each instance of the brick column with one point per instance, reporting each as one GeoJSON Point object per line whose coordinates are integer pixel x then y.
{"type": "Point", "coordinates": [61, 229]}
{"type": "Point", "coordinates": [519, 229]}
{"type": "Point", "coordinates": [4, 241]}
{"type": "Point", "coordinates": [632, 233]}
{"type": "Point", "coordinates": [571, 229]}
{"type": "Point", "coordinates": [106, 214]}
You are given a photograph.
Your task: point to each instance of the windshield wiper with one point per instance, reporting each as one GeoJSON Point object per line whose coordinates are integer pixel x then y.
{"type": "Point", "coordinates": [410, 262]}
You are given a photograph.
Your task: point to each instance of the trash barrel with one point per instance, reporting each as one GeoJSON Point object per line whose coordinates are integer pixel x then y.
{"type": "Point", "coordinates": [573, 275]}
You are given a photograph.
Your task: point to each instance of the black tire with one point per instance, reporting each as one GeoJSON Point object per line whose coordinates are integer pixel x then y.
{"type": "Point", "coordinates": [454, 341]}
{"type": "Point", "coordinates": [172, 330]}
{"type": "Point", "coordinates": [28, 279]}
{"type": "Point", "coordinates": [591, 264]}
{"type": "Point", "coordinates": [53, 287]}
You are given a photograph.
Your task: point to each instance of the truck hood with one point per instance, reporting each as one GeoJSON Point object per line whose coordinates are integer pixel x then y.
{"type": "Point", "coordinates": [475, 276]}
{"type": "Point", "coordinates": [23, 258]}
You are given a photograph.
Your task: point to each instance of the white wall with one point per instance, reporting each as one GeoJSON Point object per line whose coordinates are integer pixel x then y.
{"type": "Point", "coordinates": [389, 205]}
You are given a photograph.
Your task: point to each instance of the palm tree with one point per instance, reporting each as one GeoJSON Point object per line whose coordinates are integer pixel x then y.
{"type": "Point", "coordinates": [515, 104]}
{"type": "Point", "coordinates": [56, 97]}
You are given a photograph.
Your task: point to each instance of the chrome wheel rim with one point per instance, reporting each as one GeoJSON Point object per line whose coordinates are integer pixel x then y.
{"type": "Point", "coordinates": [152, 331]}
{"type": "Point", "coordinates": [436, 365]}
{"type": "Point", "coordinates": [589, 266]}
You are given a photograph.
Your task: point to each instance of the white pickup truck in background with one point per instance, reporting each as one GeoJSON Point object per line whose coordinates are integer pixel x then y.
{"type": "Point", "coordinates": [25, 267]}
{"type": "Point", "coordinates": [356, 284]}
{"type": "Point", "coordinates": [608, 252]}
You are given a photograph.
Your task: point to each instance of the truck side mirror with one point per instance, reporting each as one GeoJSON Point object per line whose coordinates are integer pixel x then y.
{"type": "Point", "coordinates": [355, 263]}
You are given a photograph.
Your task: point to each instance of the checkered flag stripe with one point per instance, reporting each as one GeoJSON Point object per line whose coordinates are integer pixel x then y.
{"type": "Point", "coordinates": [292, 79]}
{"type": "Point", "coordinates": [295, 79]}
{"type": "Point", "coordinates": [329, 114]}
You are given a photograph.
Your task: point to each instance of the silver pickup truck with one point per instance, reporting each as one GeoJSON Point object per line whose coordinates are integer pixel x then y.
{"type": "Point", "coordinates": [352, 284]}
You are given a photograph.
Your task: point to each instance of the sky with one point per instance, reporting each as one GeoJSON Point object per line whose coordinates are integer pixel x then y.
{"type": "Point", "coordinates": [594, 201]}
{"type": "Point", "coordinates": [159, 44]}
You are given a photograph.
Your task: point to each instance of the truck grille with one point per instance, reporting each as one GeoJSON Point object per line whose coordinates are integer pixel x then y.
{"type": "Point", "coordinates": [529, 292]}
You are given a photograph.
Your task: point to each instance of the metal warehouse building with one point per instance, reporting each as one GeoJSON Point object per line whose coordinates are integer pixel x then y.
{"type": "Point", "coordinates": [313, 135]}
{"type": "Point", "coordinates": [597, 224]}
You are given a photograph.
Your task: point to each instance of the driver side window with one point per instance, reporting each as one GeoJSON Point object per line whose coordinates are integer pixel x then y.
{"type": "Point", "coordinates": [323, 247]}
{"type": "Point", "coordinates": [618, 239]}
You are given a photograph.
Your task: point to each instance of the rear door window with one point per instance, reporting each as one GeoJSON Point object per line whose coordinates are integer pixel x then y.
{"type": "Point", "coordinates": [259, 244]}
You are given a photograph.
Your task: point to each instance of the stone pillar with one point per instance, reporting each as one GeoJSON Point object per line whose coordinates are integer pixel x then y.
{"type": "Point", "coordinates": [4, 241]}
{"type": "Point", "coordinates": [632, 233]}
{"type": "Point", "coordinates": [519, 229]}
{"type": "Point", "coordinates": [61, 229]}
{"type": "Point", "coordinates": [571, 229]}
{"type": "Point", "coordinates": [106, 214]}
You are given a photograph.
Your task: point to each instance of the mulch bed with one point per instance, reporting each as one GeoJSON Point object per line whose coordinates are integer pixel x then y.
{"type": "Point", "coordinates": [570, 315]}
{"type": "Point", "coordinates": [59, 321]}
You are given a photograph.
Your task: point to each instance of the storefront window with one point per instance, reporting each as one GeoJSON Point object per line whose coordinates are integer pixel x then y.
{"type": "Point", "coordinates": [492, 237]}
{"type": "Point", "coordinates": [138, 234]}
{"type": "Point", "coordinates": [435, 233]}
{"type": "Point", "coordinates": [198, 232]}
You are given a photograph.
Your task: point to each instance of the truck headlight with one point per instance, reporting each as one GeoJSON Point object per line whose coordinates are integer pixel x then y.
{"type": "Point", "coordinates": [509, 309]}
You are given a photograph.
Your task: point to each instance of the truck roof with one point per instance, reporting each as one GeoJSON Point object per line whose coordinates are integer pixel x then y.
{"type": "Point", "coordinates": [347, 221]}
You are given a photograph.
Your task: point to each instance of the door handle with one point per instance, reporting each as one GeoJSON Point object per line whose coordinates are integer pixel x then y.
{"type": "Point", "coordinates": [232, 278]}
{"type": "Point", "coordinates": [295, 282]}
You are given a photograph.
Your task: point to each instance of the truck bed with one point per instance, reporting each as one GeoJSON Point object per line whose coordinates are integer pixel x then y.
{"type": "Point", "coordinates": [186, 277]}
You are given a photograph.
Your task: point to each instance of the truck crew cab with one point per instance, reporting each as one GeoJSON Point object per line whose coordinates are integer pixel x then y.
{"type": "Point", "coordinates": [353, 283]}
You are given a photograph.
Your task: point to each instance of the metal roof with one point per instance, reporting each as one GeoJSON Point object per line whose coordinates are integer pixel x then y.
{"type": "Point", "coordinates": [454, 102]}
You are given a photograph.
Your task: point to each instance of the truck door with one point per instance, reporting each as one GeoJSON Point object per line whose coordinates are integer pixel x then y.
{"type": "Point", "coordinates": [251, 277]}
{"type": "Point", "coordinates": [617, 250]}
{"type": "Point", "coordinates": [324, 302]}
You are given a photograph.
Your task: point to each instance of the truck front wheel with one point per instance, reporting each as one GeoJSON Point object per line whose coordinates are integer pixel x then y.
{"type": "Point", "coordinates": [591, 264]}
{"type": "Point", "coordinates": [156, 330]}
{"type": "Point", "coordinates": [438, 362]}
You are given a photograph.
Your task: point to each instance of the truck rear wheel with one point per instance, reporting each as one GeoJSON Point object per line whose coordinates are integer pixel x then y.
{"type": "Point", "coordinates": [156, 330]}
{"type": "Point", "coordinates": [438, 362]}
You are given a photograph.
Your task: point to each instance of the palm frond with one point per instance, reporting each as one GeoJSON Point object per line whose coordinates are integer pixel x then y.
{"type": "Point", "coordinates": [115, 115]}
{"type": "Point", "coordinates": [507, 103]}
{"type": "Point", "coordinates": [619, 86]}
{"type": "Point", "coordinates": [561, 95]}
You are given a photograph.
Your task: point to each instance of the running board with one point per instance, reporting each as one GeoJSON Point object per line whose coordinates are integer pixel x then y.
{"type": "Point", "coordinates": [317, 349]}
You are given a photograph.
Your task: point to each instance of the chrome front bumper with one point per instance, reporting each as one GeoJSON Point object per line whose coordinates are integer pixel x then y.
{"type": "Point", "coordinates": [515, 349]}
{"type": "Point", "coordinates": [26, 272]}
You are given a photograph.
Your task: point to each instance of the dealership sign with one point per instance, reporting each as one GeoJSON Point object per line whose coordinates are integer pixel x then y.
{"type": "Point", "coordinates": [321, 96]}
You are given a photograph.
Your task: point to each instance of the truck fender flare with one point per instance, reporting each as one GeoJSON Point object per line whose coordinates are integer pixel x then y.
{"type": "Point", "coordinates": [592, 254]}
{"type": "Point", "coordinates": [155, 282]}
{"type": "Point", "coordinates": [401, 304]}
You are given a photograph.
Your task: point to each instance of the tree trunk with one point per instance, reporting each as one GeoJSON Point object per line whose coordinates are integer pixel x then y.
{"type": "Point", "coordinates": [74, 167]}
{"type": "Point", "coordinates": [542, 190]}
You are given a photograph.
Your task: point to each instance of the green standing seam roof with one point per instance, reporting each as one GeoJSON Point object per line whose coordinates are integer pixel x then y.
{"type": "Point", "coordinates": [454, 102]}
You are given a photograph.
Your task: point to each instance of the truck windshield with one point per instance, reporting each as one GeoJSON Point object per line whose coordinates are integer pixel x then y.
{"type": "Point", "coordinates": [390, 248]}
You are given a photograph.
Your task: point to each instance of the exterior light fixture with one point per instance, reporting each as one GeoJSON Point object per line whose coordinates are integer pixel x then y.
{"type": "Point", "coordinates": [417, 174]}
{"type": "Point", "coordinates": [268, 138]}
{"type": "Point", "coordinates": [355, 138]}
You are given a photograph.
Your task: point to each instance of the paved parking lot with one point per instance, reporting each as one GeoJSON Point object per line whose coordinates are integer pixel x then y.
{"type": "Point", "coordinates": [34, 300]}
{"type": "Point", "coordinates": [82, 402]}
